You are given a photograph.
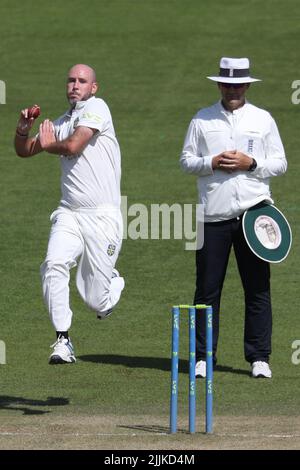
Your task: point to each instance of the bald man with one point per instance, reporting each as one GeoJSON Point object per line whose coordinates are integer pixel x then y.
{"type": "Point", "coordinates": [87, 225]}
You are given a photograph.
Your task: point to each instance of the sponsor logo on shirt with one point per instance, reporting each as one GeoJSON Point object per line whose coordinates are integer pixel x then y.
{"type": "Point", "coordinates": [250, 146]}
{"type": "Point", "coordinates": [91, 117]}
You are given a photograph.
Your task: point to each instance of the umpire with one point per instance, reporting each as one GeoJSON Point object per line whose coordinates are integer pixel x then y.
{"type": "Point", "coordinates": [234, 148]}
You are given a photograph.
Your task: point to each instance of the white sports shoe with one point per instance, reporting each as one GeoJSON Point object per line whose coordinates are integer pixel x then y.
{"type": "Point", "coordinates": [261, 369]}
{"type": "Point", "coordinates": [200, 370]}
{"type": "Point", "coordinates": [63, 352]}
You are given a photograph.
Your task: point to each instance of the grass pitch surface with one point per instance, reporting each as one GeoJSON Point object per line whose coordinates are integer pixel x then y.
{"type": "Point", "coordinates": [152, 58]}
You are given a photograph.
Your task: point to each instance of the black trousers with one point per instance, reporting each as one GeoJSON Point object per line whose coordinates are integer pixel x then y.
{"type": "Point", "coordinates": [211, 264]}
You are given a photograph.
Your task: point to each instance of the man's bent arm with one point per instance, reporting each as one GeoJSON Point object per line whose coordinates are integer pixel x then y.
{"type": "Point", "coordinates": [191, 159]}
{"type": "Point", "coordinates": [73, 145]}
{"type": "Point", "coordinates": [26, 146]}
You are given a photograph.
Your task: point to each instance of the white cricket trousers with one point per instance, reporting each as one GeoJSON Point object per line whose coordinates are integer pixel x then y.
{"type": "Point", "coordinates": [94, 237]}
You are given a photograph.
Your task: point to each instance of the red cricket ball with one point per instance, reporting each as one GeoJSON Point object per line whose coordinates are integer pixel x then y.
{"type": "Point", "coordinates": [34, 111]}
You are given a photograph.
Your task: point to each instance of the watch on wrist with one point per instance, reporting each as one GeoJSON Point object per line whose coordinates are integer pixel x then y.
{"type": "Point", "coordinates": [253, 165]}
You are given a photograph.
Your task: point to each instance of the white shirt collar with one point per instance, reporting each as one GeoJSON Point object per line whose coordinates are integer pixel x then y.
{"type": "Point", "coordinates": [230, 113]}
{"type": "Point", "coordinates": [79, 105]}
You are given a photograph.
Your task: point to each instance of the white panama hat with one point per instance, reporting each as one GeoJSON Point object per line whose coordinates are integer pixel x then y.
{"type": "Point", "coordinates": [234, 71]}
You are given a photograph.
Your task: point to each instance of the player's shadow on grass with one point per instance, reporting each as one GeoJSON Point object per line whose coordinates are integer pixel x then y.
{"type": "Point", "coordinates": [231, 370]}
{"type": "Point", "coordinates": [160, 363]}
{"type": "Point", "coordinates": [26, 404]}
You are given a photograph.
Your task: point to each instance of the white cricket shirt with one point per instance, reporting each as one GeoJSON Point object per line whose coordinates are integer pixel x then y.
{"type": "Point", "coordinates": [92, 178]}
{"type": "Point", "coordinates": [250, 130]}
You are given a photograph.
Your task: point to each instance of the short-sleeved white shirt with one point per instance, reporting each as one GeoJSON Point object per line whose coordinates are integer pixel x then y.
{"type": "Point", "coordinates": [92, 178]}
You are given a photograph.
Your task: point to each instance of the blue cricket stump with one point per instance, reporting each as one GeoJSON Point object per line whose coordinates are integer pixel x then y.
{"type": "Point", "coordinates": [209, 370]}
{"type": "Point", "coordinates": [207, 310]}
{"type": "Point", "coordinates": [174, 369]}
{"type": "Point", "coordinates": [192, 365]}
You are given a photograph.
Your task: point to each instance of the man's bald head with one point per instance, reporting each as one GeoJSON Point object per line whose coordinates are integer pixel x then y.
{"type": "Point", "coordinates": [83, 69]}
{"type": "Point", "coordinates": [81, 83]}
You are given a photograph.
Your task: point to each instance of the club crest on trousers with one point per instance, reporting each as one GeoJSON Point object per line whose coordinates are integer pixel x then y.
{"type": "Point", "coordinates": [111, 249]}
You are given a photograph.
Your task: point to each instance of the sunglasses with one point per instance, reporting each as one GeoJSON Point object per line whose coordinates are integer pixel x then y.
{"type": "Point", "coordinates": [232, 85]}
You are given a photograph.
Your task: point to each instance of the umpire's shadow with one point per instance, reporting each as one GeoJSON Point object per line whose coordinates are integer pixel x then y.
{"type": "Point", "coordinates": [231, 370]}
{"type": "Point", "coordinates": [160, 363]}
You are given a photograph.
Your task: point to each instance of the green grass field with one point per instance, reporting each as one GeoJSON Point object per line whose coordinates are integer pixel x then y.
{"type": "Point", "coordinates": [152, 58]}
